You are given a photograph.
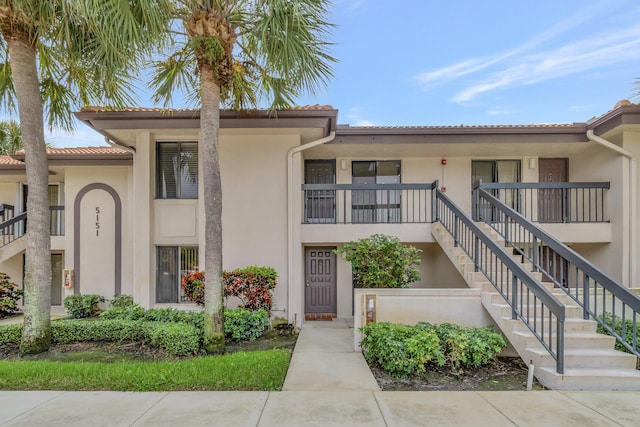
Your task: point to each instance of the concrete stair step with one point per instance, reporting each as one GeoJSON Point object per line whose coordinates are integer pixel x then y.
{"type": "Point", "coordinates": [572, 340]}
{"type": "Point", "coordinates": [583, 358]}
{"type": "Point", "coordinates": [589, 378]}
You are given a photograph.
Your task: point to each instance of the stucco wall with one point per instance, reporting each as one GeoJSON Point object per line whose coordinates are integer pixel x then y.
{"type": "Point", "coordinates": [254, 215]}
{"type": "Point", "coordinates": [97, 226]}
{"type": "Point", "coordinates": [410, 306]}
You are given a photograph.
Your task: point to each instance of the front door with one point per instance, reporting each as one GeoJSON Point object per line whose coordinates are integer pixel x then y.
{"type": "Point", "coordinates": [320, 281]}
{"type": "Point", "coordinates": [552, 203]}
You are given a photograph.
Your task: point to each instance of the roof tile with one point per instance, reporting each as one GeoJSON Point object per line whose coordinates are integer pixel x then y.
{"type": "Point", "coordinates": [92, 151]}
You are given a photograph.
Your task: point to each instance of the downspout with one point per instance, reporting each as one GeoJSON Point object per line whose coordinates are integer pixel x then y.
{"type": "Point", "coordinates": [120, 146]}
{"type": "Point", "coordinates": [633, 179]}
{"type": "Point", "coordinates": [290, 225]}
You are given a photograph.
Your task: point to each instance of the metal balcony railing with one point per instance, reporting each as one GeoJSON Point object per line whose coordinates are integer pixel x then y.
{"type": "Point", "coordinates": [552, 202]}
{"type": "Point", "coordinates": [368, 203]}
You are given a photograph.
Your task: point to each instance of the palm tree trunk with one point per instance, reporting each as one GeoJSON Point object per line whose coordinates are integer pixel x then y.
{"type": "Point", "coordinates": [36, 332]}
{"type": "Point", "coordinates": [209, 132]}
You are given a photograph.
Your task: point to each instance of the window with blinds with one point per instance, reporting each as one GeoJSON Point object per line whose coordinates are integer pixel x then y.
{"type": "Point", "coordinates": [172, 263]}
{"type": "Point", "coordinates": [177, 170]}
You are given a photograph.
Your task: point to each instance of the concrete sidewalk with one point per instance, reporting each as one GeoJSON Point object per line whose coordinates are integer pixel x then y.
{"type": "Point", "coordinates": [328, 384]}
{"type": "Point", "coordinates": [320, 408]}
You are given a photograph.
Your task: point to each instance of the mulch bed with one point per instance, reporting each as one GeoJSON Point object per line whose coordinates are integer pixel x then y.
{"type": "Point", "coordinates": [504, 373]}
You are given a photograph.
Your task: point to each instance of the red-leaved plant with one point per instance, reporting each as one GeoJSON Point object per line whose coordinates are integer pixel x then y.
{"type": "Point", "coordinates": [252, 285]}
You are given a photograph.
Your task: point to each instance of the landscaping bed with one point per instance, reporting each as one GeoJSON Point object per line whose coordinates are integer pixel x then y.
{"type": "Point", "coordinates": [501, 374]}
{"type": "Point", "coordinates": [101, 351]}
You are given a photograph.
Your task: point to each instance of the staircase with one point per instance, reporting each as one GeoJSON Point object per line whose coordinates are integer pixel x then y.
{"type": "Point", "coordinates": [12, 249]}
{"type": "Point", "coordinates": [590, 361]}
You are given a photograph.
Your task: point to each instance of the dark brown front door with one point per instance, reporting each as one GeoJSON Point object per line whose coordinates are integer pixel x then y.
{"type": "Point", "coordinates": [552, 203]}
{"type": "Point", "coordinates": [320, 280]}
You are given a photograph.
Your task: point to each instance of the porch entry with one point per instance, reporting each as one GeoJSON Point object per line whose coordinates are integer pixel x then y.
{"type": "Point", "coordinates": [320, 299]}
{"type": "Point", "coordinates": [553, 204]}
{"type": "Point", "coordinates": [320, 206]}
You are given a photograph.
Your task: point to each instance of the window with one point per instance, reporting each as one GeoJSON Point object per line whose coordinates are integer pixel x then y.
{"type": "Point", "coordinates": [376, 205]}
{"type": "Point", "coordinates": [502, 171]}
{"type": "Point", "coordinates": [173, 262]}
{"type": "Point", "coordinates": [177, 170]}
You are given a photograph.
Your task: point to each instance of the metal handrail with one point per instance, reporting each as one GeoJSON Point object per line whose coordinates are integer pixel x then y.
{"type": "Point", "coordinates": [587, 275]}
{"type": "Point", "coordinates": [14, 228]}
{"type": "Point", "coordinates": [541, 185]}
{"type": "Point", "coordinates": [522, 290]}
{"type": "Point", "coordinates": [553, 202]}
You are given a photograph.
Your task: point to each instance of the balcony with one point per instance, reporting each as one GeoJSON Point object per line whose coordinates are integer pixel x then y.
{"type": "Point", "coordinates": [554, 202]}
{"type": "Point", "coordinates": [571, 211]}
{"type": "Point", "coordinates": [368, 204]}
{"type": "Point", "coordinates": [403, 210]}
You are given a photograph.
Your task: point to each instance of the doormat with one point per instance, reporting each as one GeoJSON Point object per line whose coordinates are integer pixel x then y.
{"type": "Point", "coordinates": [320, 316]}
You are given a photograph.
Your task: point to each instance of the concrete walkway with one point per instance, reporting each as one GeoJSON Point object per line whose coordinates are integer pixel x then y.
{"type": "Point", "coordinates": [326, 386]}
{"type": "Point", "coordinates": [324, 360]}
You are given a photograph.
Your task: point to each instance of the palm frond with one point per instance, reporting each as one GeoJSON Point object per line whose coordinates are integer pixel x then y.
{"type": "Point", "coordinates": [174, 73]}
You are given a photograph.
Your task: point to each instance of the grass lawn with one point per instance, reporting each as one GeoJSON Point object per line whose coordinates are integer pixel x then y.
{"type": "Point", "coordinates": [253, 370]}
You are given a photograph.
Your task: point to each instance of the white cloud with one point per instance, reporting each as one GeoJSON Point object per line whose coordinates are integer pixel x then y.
{"type": "Point", "coordinates": [596, 52]}
{"type": "Point", "coordinates": [472, 65]}
{"type": "Point", "coordinates": [501, 112]}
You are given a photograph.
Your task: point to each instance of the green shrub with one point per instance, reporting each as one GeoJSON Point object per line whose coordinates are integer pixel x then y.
{"type": "Point", "coordinates": [179, 339]}
{"type": "Point", "coordinates": [122, 301]}
{"type": "Point", "coordinates": [81, 306]}
{"type": "Point", "coordinates": [241, 324]}
{"type": "Point", "coordinates": [627, 334]}
{"type": "Point", "coordinates": [10, 293]}
{"type": "Point", "coordinates": [132, 312]}
{"type": "Point", "coordinates": [68, 331]}
{"type": "Point", "coordinates": [401, 350]}
{"type": "Point", "coordinates": [408, 350]}
{"type": "Point", "coordinates": [10, 334]}
{"type": "Point", "coordinates": [466, 347]}
{"type": "Point", "coordinates": [381, 261]}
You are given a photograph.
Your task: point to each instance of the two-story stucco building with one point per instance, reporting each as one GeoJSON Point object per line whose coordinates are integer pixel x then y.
{"type": "Point", "coordinates": [127, 218]}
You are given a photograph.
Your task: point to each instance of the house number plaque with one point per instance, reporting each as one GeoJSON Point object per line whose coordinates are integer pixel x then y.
{"type": "Point", "coordinates": [97, 221]}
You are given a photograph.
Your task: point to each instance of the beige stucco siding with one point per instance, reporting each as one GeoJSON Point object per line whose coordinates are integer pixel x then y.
{"type": "Point", "coordinates": [254, 215]}
{"type": "Point", "coordinates": [97, 239]}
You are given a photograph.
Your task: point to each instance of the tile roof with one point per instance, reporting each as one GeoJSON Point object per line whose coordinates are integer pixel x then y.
{"type": "Point", "coordinates": [98, 109]}
{"type": "Point", "coordinates": [519, 126]}
{"type": "Point", "coordinates": [89, 151]}
{"type": "Point", "coordinates": [10, 161]}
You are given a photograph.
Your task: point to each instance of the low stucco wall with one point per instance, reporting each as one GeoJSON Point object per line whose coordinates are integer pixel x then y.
{"type": "Point", "coordinates": [410, 306]}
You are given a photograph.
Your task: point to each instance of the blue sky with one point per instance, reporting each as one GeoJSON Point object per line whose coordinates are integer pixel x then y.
{"type": "Point", "coordinates": [417, 62]}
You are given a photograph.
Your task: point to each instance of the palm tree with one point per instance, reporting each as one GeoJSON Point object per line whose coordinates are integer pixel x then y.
{"type": "Point", "coordinates": [10, 137]}
{"type": "Point", "coordinates": [236, 53]}
{"type": "Point", "coordinates": [63, 55]}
